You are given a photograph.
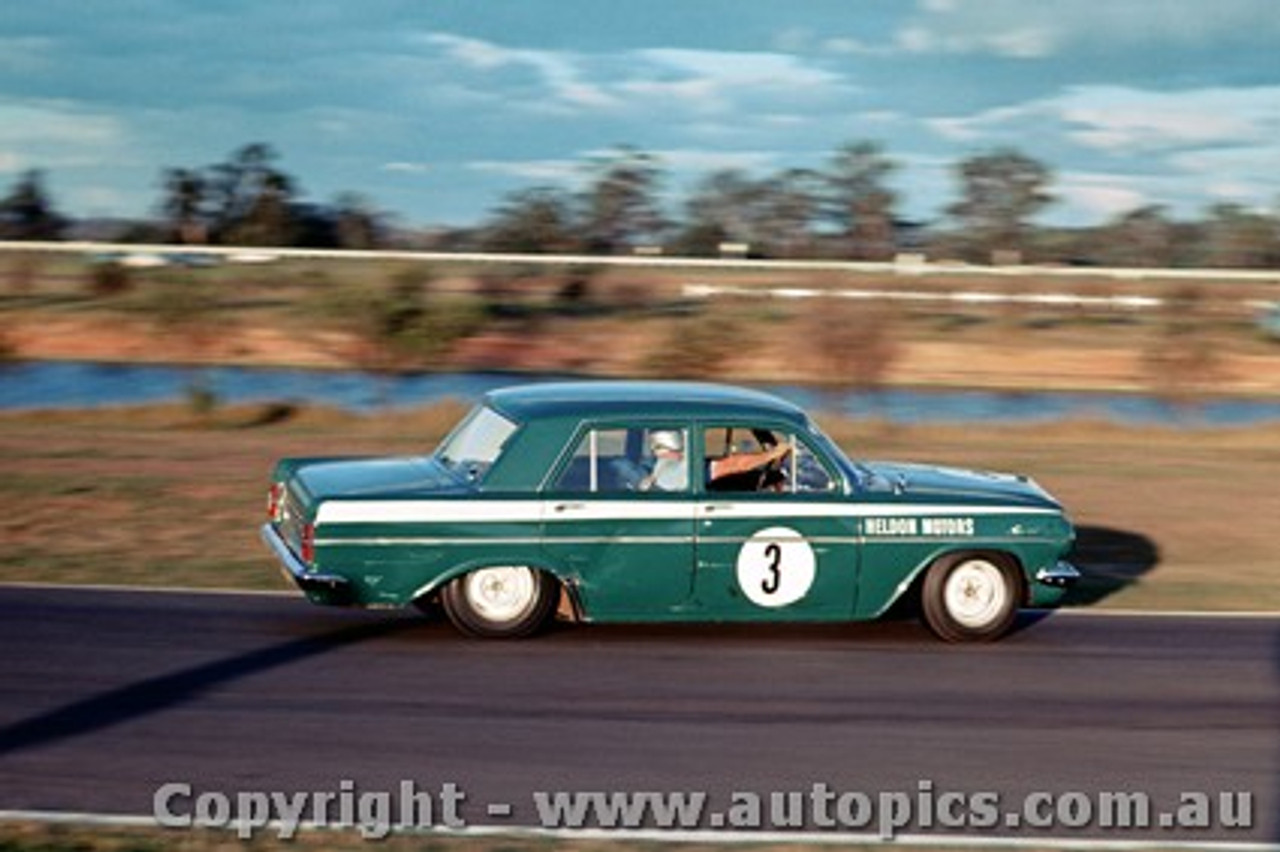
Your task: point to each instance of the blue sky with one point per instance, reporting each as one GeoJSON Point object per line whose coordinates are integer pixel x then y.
{"type": "Point", "coordinates": [435, 109]}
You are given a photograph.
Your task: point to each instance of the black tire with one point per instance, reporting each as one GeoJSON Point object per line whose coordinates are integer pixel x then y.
{"type": "Point", "coordinates": [502, 602]}
{"type": "Point", "coordinates": [970, 597]}
{"type": "Point", "coordinates": [430, 606]}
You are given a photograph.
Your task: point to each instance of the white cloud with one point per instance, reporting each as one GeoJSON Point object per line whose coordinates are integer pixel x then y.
{"type": "Point", "coordinates": [404, 168]}
{"type": "Point", "coordinates": [57, 122]}
{"type": "Point", "coordinates": [26, 54]}
{"type": "Point", "coordinates": [1117, 148]}
{"type": "Point", "coordinates": [1259, 160]}
{"type": "Point", "coordinates": [1244, 174]}
{"type": "Point", "coordinates": [721, 82]}
{"type": "Point", "coordinates": [701, 161]}
{"type": "Point", "coordinates": [637, 82]}
{"type": "Point", "coordinates": [1024, 43]}
{"type": "Point", "coordinates": [1124, 121]}
{"type": "Point", "coordinates": [847, 46]}
{"type": "Point", "coordinates": [474, 53]}
{"type": "Point", "coordinates": [1092, 198]}
{"type": "Point", "coordinates": [1118, 119]}
{"type": "Point", "coordinates": [1018, 29]}
{"type": "Point", "coordinates": [738, 69]}
{"type": "Point", "coordinates": [57, 134]}
{"type": "Point", "coordinates": [559, 72]}
{"type": "Point", "coordinates": [992, 125]}
{"type": "Point", "coordinates": [549, 170]}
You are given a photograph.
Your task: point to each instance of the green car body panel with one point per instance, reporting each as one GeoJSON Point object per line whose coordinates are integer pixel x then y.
{"type": "Point", "coordinates": [834, 540]}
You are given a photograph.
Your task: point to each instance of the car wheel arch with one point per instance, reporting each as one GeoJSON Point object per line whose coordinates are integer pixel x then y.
{"type": "Point", "coordinates": [908, 593]}
{"type": "Point", "coordinates": [431, 590]}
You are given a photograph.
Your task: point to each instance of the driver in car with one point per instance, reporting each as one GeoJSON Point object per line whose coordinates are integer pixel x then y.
{"type": "Point", "coordinates": [744, 462]}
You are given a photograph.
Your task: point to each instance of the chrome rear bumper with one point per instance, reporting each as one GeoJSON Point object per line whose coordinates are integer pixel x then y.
{"type": "Point", "coordinates": [327, 585]}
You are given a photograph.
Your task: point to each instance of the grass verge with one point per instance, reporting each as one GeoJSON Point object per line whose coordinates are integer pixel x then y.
{"type": "Point", "coordinates": [43, 837]}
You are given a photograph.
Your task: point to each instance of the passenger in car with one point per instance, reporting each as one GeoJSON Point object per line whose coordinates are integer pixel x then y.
{"type": "Point", "coordinates": [670, 473]}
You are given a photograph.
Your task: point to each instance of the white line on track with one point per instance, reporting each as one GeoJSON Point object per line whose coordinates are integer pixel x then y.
{"type": "Point", "coordinates": [662, 836]}
{"type": "Point", "coordinates": [160, 590]}
{"type": "Point", "coordinates": [285, 593]}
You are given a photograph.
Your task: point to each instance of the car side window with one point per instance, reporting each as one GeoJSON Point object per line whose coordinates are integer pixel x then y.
{"type": "Point", "coordinates": [761, 460]}
{"type": "Point", "coordinates": [623, 460]}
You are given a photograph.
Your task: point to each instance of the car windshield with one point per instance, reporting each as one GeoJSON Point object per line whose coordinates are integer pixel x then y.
{"type": "Point", "coordinates": [475, 444]}
{"type": "Point", "coordinates": [857, 472]}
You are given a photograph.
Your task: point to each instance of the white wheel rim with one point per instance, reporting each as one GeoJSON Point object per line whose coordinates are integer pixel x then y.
{"type": "Point", "coordinates": [501, 594]}
{"type": "Point", "coordinates": [975, 593]}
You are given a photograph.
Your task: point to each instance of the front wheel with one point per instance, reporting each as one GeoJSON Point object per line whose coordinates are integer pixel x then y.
{"type": "Point", "coordinates": [970, 598]}
{"type": "Point", "coordinates": [503, 602]}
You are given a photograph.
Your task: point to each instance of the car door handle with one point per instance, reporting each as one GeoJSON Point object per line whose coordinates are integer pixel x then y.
{"type": "Point", "coordinates": [568, 507]}
{"type": "Point", "coordinates": [712, 508]}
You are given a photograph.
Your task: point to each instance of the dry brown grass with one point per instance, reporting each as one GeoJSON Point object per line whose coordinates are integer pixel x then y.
{"type": "Point", "coordinates": [630, 320]}
{"type": "Point", "coordinates": [35, 837]}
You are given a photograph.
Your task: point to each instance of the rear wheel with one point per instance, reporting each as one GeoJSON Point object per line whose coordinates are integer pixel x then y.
{"type": "Point", "coordinates": [970, 598]}
{"type": "Point", "coordinates": [507, 601]}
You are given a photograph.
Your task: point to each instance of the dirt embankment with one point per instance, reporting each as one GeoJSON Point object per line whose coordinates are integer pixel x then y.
{"type": "Point", "coordinates": [612, 347]}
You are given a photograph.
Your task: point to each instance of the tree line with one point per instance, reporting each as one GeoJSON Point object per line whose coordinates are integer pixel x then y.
{"type": "Point", "coordinates": [844, 209]}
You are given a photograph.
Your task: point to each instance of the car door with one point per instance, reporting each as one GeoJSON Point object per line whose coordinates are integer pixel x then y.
{"type": "Point", "coordinates": [618, 521]}
{"type": "Point", "coordinates": [776, 542]}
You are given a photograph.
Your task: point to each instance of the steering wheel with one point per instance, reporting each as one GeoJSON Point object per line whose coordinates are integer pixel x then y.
{"type": "Point", "coordinates": [773, 474]}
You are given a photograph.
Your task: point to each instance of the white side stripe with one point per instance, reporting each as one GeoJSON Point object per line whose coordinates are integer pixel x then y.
{"type": "Point", "coordinates": [428, 511]}
{"type": "Point", "coordinates": [569, 510]}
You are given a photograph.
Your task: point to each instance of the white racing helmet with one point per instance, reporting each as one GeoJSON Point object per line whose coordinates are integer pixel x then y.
{"type": "Point", "coordinates": [667, 439]}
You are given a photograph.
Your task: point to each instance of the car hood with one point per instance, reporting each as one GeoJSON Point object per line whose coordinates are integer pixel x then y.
{"type": "Point", "coordinates": [374, 476]}
{"type": "Point", "coordinates": [927, 482]}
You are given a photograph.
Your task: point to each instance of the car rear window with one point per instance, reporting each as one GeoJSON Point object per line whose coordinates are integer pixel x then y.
{"type": "Point", "coordinates": [476, 443]}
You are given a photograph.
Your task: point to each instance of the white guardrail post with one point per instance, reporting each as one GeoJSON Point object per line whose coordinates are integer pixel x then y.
{"type": "Point", "coordinates": [912, 266]}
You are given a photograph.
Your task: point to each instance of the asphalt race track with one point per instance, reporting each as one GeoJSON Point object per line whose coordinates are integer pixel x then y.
{"type": "Point", "coordinates": [106, 695]}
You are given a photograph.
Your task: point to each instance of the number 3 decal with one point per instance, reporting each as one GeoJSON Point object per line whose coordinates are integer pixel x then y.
{"type": "Point", "coordinates": [776, 567]}
{"type": "Point", "coordinates": [773, 582]}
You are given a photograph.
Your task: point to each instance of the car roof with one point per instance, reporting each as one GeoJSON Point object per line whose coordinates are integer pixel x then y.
{"type": "Point", "coordinates": [597, 399]}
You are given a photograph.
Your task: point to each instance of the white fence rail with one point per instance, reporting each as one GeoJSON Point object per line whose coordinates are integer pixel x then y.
{"type": "Point", "coordinates": [910, 265]}
{"type": "Point", "coordinates": [907, 266]}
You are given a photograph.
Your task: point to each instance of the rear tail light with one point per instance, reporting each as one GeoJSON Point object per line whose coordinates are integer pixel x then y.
{"type": "Point", "coordinates": [307, 546]}
{"type": "Point", "coordinates": [275, 501]}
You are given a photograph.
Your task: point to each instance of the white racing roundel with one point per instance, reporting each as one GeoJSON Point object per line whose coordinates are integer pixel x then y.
{"type": "Point", "coordinates": [776, 567]}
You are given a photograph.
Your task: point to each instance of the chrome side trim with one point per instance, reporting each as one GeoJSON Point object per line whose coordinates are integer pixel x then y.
{"type": "Point", "coordinates": [1063, 574]}
{"type": "Point", "coordinates": [297, 570]}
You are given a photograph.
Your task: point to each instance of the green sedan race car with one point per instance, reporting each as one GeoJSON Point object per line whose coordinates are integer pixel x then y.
{"type": "Point", "coordinates": [618, 501]}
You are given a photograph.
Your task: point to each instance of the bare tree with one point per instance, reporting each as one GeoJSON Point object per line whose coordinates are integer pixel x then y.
{"type": "Point", "coordinates": [184, 205]}
{"type": "Point", "coordinates": [790, 202]}
{"type": "Point", "coordinates": [27, 212]}
{"type": "Point", "coordinates": [1000, 192]}
{"type": "Point", "coordinates": [860, 202]}
{"type": "Point", "coordinates": [532, 220]}
{"type": "Point", "coordinates": [772, 216]}
{"type": "Point", "coordinates": [1238, 237]}
{"type": "Point", "coordinates": [620, 208]}
{"type": "Point", "coordinates": [1141, 237]}
{"type": "Point", "coordinates": [356, 223]}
